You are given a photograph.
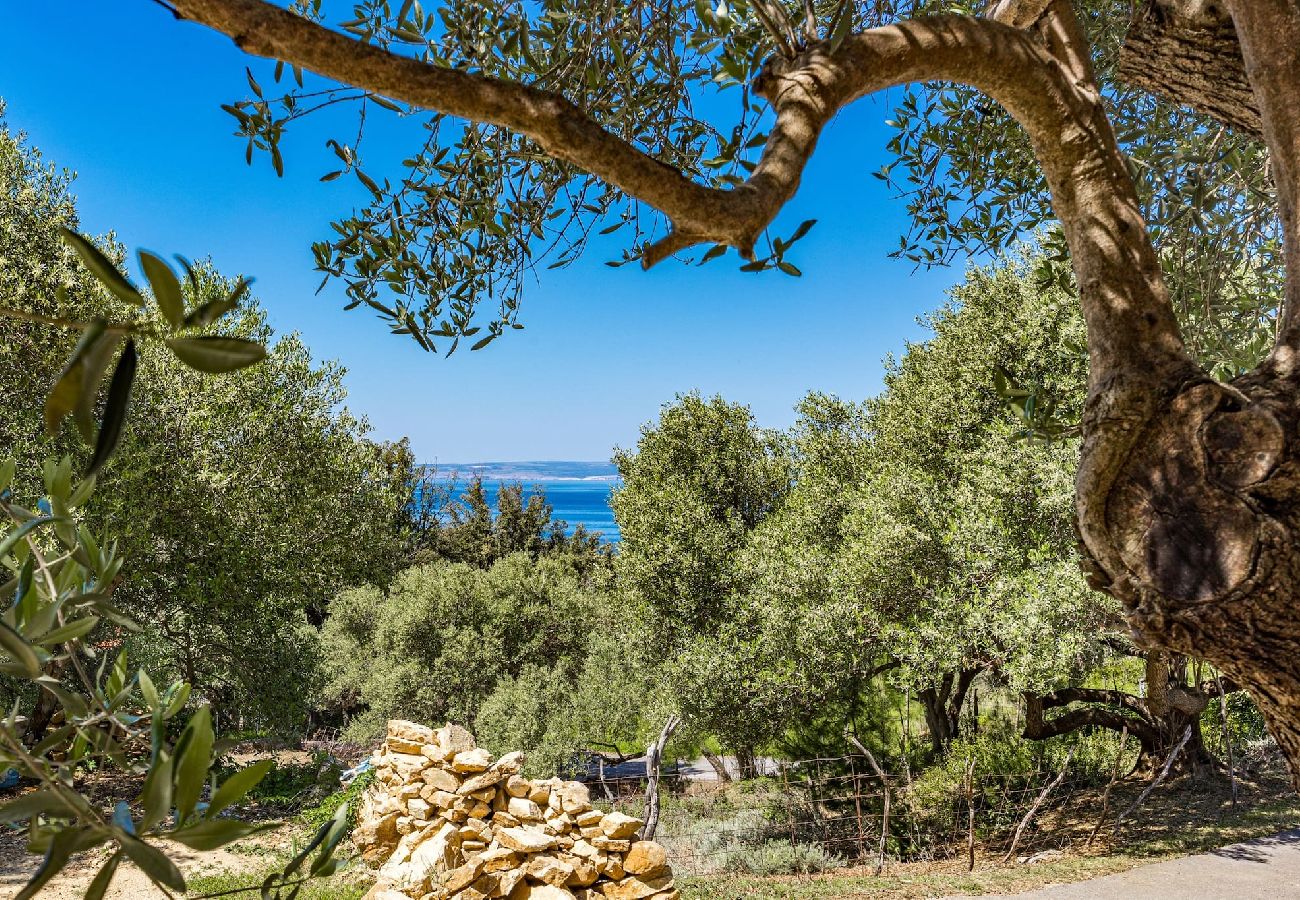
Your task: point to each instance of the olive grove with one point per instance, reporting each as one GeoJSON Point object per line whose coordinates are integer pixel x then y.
{"type": "Point", "coordinates": [1185, 492]}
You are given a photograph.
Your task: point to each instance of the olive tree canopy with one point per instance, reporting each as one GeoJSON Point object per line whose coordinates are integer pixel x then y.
{"type": "Point", "coordinates": [1187, 488]}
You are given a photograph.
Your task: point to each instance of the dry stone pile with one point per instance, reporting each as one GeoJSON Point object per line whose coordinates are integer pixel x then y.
{"type": "Point", "coordinates": [445, 821]}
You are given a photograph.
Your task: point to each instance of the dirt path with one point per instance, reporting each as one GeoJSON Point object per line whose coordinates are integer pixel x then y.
{"type": "Point", "coordinates": [1262, 869]}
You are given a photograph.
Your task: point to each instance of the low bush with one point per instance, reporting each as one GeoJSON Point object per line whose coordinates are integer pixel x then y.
{"type": "Point", "coordinates": [323, 811]}
{"type": "Point", "coordinates": [779, 857]}
{"type": "Point", "coordinates": [1008, 773]}
{"type": "Point", "coordinates": [294, 785]}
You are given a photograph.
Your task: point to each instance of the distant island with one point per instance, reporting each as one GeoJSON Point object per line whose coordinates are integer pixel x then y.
{"type": "Point", "coordinates": [530, 472]}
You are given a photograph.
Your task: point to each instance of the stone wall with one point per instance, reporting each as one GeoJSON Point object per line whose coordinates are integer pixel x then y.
{"type": "Point", "coordinates": [445, 820]}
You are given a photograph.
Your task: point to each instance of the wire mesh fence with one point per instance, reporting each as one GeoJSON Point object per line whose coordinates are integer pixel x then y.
{"type": "Point", "coordinates": [827, 813]}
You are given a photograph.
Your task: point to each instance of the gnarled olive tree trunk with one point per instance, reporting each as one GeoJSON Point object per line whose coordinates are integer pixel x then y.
{"type": "Point", "coordinates": [1157, 719]}
{"type": "Point", "coordinates": [942, 704]}
{"type": "Point", "coordinates": [1189, 494]}
{"type": "Point", "coordinates": [1189, 489]}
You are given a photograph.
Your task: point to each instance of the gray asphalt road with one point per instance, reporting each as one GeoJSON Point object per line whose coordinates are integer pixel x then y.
{"type": "Point", "coordinates": [1262, 869]}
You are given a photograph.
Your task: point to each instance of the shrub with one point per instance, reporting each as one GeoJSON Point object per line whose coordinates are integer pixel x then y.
{"type": "Point", "coordinates": [1005, 764]}
{"type": "Point", "coordinates": [291, 785]}
{"type": "Point", "coordinates": [779, 857]}
{"type": "Point", "coordinates": [322, 812]}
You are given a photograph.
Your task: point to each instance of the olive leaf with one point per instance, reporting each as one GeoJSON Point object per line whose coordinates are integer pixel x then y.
{"type": "Point", "coordinates": [216, 354]}
{"type": "Point", "coordinates": [101, 267]}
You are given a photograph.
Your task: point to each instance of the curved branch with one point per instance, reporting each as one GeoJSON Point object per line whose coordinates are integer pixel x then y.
{"type": "Point", "coordinates": [1130, 318]}
{"type": "Point", "coordinates": [1095, 695]}
{"type": "Point", "coordinates": [1038, 728]}
{"type": "Point", "coordinates": [1269, 34]}
{"type": "Point", "coordinates": [1092, 191]}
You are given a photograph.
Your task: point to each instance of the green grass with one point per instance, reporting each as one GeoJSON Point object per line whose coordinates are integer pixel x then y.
{"type": "Point", "coordinates": [345, 886]}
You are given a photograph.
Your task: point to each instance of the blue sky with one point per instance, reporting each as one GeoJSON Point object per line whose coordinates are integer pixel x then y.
{"type": "Point", "coordinates": [129, 99]}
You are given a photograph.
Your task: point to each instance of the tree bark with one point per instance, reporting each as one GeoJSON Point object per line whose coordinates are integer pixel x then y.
{"type": "Point", "coordinates": [746, 765]}
{"type": "Point", "coordinates": [942, 705]}
{"type": "Point", "coordinates": [719, 767]}
{"type": "Point", "coordinates": [1191, 59]}
{"type": "Point", "coordinates": [1159, 720]}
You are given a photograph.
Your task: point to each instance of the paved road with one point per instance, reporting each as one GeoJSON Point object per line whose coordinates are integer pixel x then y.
{"type": "Point", "coordinates": [1262, 869]}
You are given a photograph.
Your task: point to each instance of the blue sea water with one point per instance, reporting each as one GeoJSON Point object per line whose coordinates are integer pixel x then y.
{"type": "Point", "coordinates": [576, 501]}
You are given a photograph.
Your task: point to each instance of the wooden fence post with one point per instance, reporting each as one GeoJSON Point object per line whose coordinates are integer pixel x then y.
{"type": "Point", "coordinates": [970, 807]}
{"type": "Point", "coordinates": [1227, 738]}
{"type": "Point", "coordinates": [857, 807]}
{"type": "Point", "coordinates": [1105, 795]}
{"type": "Point", "coordinates": [652, 778]}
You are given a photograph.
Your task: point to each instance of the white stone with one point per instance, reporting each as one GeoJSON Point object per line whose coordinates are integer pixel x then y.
{"type": "Point", "coordinates": [525, 839]}
{"type": "Point", "coordinates": [475, 760]}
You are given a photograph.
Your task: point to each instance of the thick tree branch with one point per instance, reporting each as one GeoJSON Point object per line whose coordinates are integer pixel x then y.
{"type": "Point", "coordinates": [1269, 34]}
{"type": "Point", "coordinates": [1222, 684]}
{"type": "Point", "coordinates": [1187, 52]}
{"type": "Point", "coordinates": [1017, 13]}
{"type": "Point", "coordinates": [1123, 647]}
{"type": "Point", "coordinates": [557, 125]}
{"type": "Point", "coordinates": [1038, 727]}
{"type": "Point", "coordinates": [964, 680]}
{"type": "Point", "coordinates": [1130, 318]}
{"type": "Point", "coordinates": [1066, 696]}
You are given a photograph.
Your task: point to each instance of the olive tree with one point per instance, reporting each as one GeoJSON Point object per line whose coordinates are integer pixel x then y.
{"type": "Point", "coordinates": [70, 318]}
{"type": "Point", "coordinates": [1185, 493]}
{"type": "Point", "coordinates": [701, 479]}
{"type": "Point", "coordinates": [958, 527]}
{"type": "Point", "coordinates": [60, 634]}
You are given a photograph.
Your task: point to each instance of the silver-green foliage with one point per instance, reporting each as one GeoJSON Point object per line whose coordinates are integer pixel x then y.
{"type": "Point", "coordinates": [435, 645]}
{"type": "Point", "coordinates": [241, 501]}
{"type": "Point", "coordinates": [60, 567]}
{"type": "Point", "coordinates": [61, 577]}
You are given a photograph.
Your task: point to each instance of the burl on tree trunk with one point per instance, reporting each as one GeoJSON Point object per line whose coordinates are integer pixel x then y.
{"type": "Point", "coordinates": [1204, 515]}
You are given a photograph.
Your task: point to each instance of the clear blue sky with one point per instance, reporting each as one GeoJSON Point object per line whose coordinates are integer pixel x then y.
{"type": "Point", "coordinates": [129, 99]}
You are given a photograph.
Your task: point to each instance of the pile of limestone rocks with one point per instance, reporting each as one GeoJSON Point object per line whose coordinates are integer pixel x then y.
{"type": "Point", "coordinates": [444, 820]}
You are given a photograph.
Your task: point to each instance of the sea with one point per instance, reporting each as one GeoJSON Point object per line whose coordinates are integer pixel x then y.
{"type": "Point", "coordinates": [578, 491]}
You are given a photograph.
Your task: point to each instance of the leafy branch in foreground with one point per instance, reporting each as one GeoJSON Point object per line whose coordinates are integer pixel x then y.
{"type": "Point", "coordinates": [90, 711]}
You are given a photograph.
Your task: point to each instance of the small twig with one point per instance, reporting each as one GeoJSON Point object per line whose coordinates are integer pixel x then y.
{"type": "Point", "coordinates": [884, 787]}
{"type": "Point", "coordinates": [783, 45]}
{"type": "Point", "coordinates": [1164, 773]}
{"type": "Point", "coordinates": [1024, 823]}
{"type": "Point", "coordinates": [1105, 795]}
{"type": "Point", "coordinates": [1227, 738]}
{"type": "Point", "coordinates": [809, 22]}
{"type": "Point", "coordinates": [781, 26]}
